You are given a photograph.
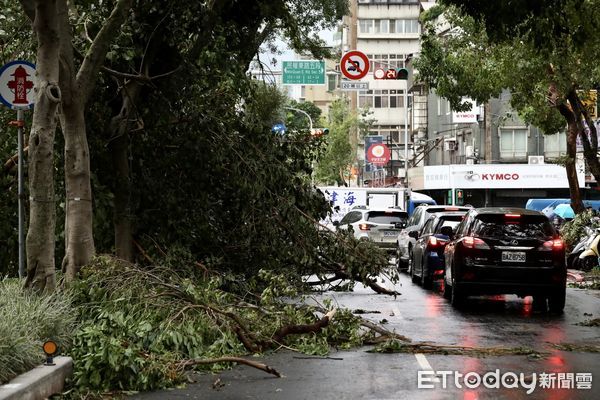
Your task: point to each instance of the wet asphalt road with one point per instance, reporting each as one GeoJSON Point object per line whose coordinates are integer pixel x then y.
{"type": "Point", "coordinates": [422, 315]}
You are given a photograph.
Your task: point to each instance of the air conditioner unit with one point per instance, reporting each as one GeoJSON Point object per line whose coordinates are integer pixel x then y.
{"type": "Point", "coordinates": [535, 160]}
{"type": "Point", "coordinates": [450, 144]}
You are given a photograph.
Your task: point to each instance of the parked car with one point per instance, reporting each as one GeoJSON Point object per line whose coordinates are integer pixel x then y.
{"type": "Point", "coordinates": [405, 242]}
{"type": "Point", "coordinates": [379, 225]}
{"type": "Point", "coordinates": [428, 252]}
{"type": "Point", "coordinates": [506, 251]}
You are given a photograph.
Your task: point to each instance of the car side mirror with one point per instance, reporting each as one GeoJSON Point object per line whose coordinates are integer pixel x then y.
{"type": "Point", "coordinates": [413, 234]}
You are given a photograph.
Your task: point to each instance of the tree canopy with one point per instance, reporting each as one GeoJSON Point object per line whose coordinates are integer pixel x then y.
{"type": "Point", "coordinates": [542, 51]}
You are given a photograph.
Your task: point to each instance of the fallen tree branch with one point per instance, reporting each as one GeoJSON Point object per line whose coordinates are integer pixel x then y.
{"type": "Point", "coordinates": [143, 252]}
{"type": "Point", "coordinates": [396, 346]}
{"type": "Point", "coordinates": [253, 364]}
{"type": "Point", "coordinates": [382, 331]}
{"type": "Point", "coordinates": [296, 329]}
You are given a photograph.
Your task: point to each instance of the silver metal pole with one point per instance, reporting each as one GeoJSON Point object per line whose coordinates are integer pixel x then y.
{"type": "Point", "coordinates": [303, 112]}
{"type": "Point", "coordinates": [21, 193]}
{"type": "Point", "coordinates": [406, 135]}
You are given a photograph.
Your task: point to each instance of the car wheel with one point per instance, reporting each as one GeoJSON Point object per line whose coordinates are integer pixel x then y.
{"type": "Point", "coordinates": [400, 265]}
{"type": "Point", "coordinates": [588, 263]}
{"type": "Point", "coordinates": [447, 291]}
{"type": "Point", "coordinates": [426, 281]}
{"type": "Point", "coordinates": [411, 267]}
{"type": "Point", "coordinates": [556, 301]}
{"type": "Point", "coordinates": [572, 260]}
{"type": "Point", "coordinates": [457, 297]}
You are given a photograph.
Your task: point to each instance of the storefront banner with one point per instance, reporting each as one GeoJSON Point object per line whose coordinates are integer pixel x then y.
{"type": "Point", "coordinates": [497, 176]}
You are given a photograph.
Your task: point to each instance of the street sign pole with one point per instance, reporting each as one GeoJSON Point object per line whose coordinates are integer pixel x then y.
{"type": "Point", "coordinates": [15, 85]}
{"type": "Point", "coordinates": [20, 123]}
{"type": "Point", "coordinates": [21, 191]}
{"type": "Point", "coordinates": [406, 135]}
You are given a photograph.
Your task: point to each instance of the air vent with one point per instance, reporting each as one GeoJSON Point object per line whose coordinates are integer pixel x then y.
{"type": "Point", "coordinates": [535, 160]}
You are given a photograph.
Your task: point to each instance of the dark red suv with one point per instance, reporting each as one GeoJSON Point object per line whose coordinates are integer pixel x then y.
{"type": "Point", "coordinates": [506, 251]}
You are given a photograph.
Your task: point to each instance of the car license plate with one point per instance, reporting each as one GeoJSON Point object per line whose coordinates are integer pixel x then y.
{"type": "Point", "coordinates": [390, 233]}
{"type": "Point", "coordinates": [513, 256]}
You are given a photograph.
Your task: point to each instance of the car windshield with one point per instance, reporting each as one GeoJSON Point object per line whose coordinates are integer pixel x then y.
{"type": "Point", "coordinates": [386, 217]}
{"type": "Point", "coordinates": [514, 226]}
{"type": "Point", "coordinates": [452, 223]}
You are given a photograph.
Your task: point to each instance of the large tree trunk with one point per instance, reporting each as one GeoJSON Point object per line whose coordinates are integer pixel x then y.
{"type": "Point", "coordinates": [572, 132]}
{"type": "Point", "coordinates": [119, 146]}
{"type": "Point", "coordinates": [42, 214]}
{"type": "Point", "coordinates": [77, 87]}
{"type": "Point", "coordinates": [590, 143]}
{"type": "Point", "coordinates": [79, 239]}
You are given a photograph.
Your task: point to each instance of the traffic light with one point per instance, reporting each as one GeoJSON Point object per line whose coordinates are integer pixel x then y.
{"type": "Point", "coordinates": [402, 74]}
{"type": "Point", "coordinates": [318, 132]}
{"type": "Point", "coordinates": [460, 197]}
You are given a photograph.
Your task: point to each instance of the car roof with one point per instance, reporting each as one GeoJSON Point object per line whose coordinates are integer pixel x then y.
{"type": "Point", "coordinates": [390, 210]}
{"type": "Point", "coordinates": [506, 210]}
{"type": "Point", "coordinates": [459, 213]}
{"type": "Point", "coordinates": [438, 208]}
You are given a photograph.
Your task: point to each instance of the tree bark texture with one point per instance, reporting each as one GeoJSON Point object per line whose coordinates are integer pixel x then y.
{"type": "Point", "coordinates": [42, 212]}
{"type": "Point", "coordinates": [572, 132]}
{"type": "Point", "coordinates": [79, 239]}
{"type": "Point", "coordinates": [119, 145]}
{"type": "Point", "coordinates": [589, 138]}
{"type": "Point", "coordinates": [77, 87]}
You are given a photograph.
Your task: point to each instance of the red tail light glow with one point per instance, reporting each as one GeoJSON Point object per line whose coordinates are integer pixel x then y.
{"type": "Point", "coordinates": [433, 242]}
{"type": "Point", "coordinates": [471, 242]}
{"type": "Point", "coordinates": [364, 227]}
{"type": "Point", "coordinates": [556, 244]}
{"type": "Point", "coordinates": [512, 215]}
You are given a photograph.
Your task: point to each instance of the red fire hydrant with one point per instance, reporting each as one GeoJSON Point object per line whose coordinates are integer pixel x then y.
{"type": "Point", "coordinates": [20, 86]}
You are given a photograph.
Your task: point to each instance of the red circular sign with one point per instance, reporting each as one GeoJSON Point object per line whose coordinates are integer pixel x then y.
{"type": "Point", "coordinates": [378, 154]}
{"type": "Point", "coordinates": [354, 65]}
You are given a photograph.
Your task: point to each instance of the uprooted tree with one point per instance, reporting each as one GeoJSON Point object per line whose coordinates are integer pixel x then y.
{"type": "Point", "coordinates": [183, 164]}
{"type": "Point", "coordinates": [545, 54]}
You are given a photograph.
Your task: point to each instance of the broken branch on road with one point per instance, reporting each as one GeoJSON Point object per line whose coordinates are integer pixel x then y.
{"type": "Point", "coordinates": [263, 367]}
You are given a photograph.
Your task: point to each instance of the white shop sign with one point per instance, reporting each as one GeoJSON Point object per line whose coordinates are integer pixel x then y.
{"type": "Point", "coordinates": [497, 176]}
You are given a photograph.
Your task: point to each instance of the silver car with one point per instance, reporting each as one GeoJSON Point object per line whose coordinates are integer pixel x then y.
{"type": "Point", "coordinates": [379, 225]}
{"type": "Point", "coordinates": [405, 240]}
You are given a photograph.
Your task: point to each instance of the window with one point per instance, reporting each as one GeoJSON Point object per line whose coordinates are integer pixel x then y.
{"type": "Point", "coordinates": [381, 26]}
{"type": "Point", "coordinates": [331, 82]}
{"type": "Point", "coordinates": [555, 145]}
{"type": "Point", "coordinates": [513, 143]}
{"type": "Point", "coordinates": [351, 217]}
{"type": "Point", "coordinates": [399, 26]}
{"type": "Point", "coordinates": [365, 25]}
{"type": "Point", "coordinates": [386, 217]}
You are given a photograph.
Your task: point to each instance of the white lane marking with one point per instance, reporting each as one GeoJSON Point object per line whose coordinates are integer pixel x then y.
{"type": "Point", "coordinates": [424, 364]}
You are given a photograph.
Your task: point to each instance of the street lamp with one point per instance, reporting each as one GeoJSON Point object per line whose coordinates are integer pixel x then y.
{"type": "Point", "coordinates": [303, 112]}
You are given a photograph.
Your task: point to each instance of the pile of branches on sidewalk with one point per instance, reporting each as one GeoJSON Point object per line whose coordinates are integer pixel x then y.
{"type": "Point", "coordinates": [141, 327]}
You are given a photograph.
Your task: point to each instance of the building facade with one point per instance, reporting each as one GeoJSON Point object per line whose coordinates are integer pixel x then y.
{"type": "Point", "coordinates": [388, 32]}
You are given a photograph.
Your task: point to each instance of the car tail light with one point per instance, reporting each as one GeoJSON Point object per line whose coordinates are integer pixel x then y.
{"type": "Point", "coordinates": [433, 242]}
{"type": "Point", "coordinates": [468, 276]}
{"type": "Point", "coordinates": [471, 242]}
{"type": "Point", "coordinates": [556, 244]}
{"type": "Point", "coordinates": [511, 216]}
{"type": "Point", "coordinates": [451, 209]}
{"type": "Point", "coordinates": [365, 227]}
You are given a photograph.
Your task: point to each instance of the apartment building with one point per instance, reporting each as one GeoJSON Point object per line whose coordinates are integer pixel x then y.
{"type": "Point", "coordinates": [388, 32]}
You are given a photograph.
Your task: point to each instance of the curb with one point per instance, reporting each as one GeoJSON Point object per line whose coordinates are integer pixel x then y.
{"type": "Point", "coordinates": [39, 383]}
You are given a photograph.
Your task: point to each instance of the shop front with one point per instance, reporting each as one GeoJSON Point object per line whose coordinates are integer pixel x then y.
{"type": "Point", "coordinates": [491, 185]}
